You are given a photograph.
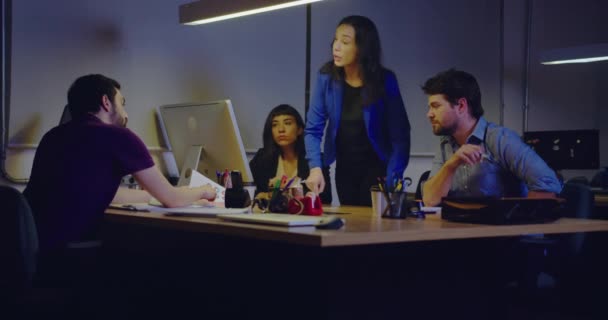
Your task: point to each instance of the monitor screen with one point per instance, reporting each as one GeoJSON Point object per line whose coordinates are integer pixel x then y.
{"type": "Point", "coordinates": [566, 149]}
{"type": "Point", "coordinates": [213, 127]}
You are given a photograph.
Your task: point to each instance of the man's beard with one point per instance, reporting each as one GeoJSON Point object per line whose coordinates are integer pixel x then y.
{"type": "Point", "coordinates": [117, 120]}
{"type": "Point", "coordinates": [445, 131]}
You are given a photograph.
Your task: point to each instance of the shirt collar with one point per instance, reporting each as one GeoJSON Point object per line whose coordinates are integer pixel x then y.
{"type": "Point", "coordinates": [479, 132]}
{"type": "Point", "coordinates": [477, 136]}
{"type": "Point", "coordinates": [89, 117]}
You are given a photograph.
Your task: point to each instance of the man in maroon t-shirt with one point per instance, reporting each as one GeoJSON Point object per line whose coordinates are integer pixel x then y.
{"type": "Point", "coordinates": [79, 165]}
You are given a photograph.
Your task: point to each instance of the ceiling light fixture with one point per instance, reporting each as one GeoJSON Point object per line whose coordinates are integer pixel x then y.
{"type": "Point", "coordinates": [580, 54]}
{"type": "Point", "coordinates": [207, 11]}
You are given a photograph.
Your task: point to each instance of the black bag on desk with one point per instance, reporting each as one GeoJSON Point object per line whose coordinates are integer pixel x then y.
{"type": "Point", "coordinates": [497, 211]}
{"type": "Point", "coordinates": [236, 196]}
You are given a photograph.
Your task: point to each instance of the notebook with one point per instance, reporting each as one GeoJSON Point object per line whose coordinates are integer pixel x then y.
{"type": "Point", "coordinates": [202, 211]}
{"type": "Point", "coordinates": [189, 211]}
{"type": "Point", "coordinates": [279, 219]}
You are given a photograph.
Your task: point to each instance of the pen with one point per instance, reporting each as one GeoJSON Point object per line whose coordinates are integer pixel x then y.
{"type": "Point", "coordinates": [128, 207]}
{"type": "Point", "coordinates": [395, 181]}
{"type": "Point", "coordinates": [289, 183]}
{"type": "Point", "coordinates": [275, 190]}
{"type": "Point", "coordinates": [380, 184]}
{"type": "Point", "coordinates": [383, 189]}
{"type": "Point", "coordinates": [399, 186]}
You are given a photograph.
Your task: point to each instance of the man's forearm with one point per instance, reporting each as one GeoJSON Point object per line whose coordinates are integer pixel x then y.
{"type": "Point", "coordinates": [126, 195]}
{"type": "Point", "coordinates": [438, 186]}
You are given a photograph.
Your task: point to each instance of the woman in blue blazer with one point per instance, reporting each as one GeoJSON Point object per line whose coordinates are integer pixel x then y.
{"type": "Point", "coordinates": [368, 131]}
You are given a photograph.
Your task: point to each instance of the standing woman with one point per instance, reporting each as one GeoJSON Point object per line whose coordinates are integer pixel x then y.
{"type": "Point", "coordinates": [283, 152]}
{"type": "Point", "coordinates": [368, 132]}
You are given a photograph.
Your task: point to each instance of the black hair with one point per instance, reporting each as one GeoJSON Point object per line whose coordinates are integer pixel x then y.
{"type": "Point", "coordinates": [271, 149]}
{"type": "Point", "coordinates": [369, 56]}
{"type": "Point", "coordinates": [455, 84]}
{"type": "Point", "coordinates": [86, 93]}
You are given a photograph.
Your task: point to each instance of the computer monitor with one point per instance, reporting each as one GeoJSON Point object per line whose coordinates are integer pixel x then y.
{"type": "Point", "coordinates": [207, 132]}
{"type": "Point", "coordinates": [566, 149]}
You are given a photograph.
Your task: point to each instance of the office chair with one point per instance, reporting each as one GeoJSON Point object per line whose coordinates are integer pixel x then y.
{"type": "Point", "coordinates": [580, 202]}
{"type": "Point", "coordinates": [578, 180]}
{"type": "Point", "coordinates": [423, 177]}
{"type": "Point", "coordinates": [600, 179]}
{"type": "Point", "coordinates": [66, 115]}
{"type": "Point", "coordinates": [557, 256]}
{"type": "Point", "coordinates": [19, 251]}
{"type": "Point", "coordinates": [18, 243]}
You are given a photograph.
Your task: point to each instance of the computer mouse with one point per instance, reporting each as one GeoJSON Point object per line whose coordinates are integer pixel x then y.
{"type": "Point", "coordinates": [332, 223]}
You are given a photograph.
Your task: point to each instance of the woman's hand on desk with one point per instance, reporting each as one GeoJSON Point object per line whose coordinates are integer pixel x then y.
{"type": "Point", "coordinates": [315, 181]}
{"type": "Point", "coordinates": [263, 196]}
{"type": "Point", "coordinates": [273, 181]}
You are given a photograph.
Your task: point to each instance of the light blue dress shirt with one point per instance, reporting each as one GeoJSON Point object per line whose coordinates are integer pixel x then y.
{"type": "Point", "coordinates": [509, 167]}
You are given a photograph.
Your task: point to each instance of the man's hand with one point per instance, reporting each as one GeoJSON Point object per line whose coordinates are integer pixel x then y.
{"type": "Point", "coordinates": [203, 203]}
{"type": "Point", "coordinates": [315, 181]}
{"type": "Point", "coordinates": [467, 154]}
{"type": "Point", "coordinates": [207, 192]}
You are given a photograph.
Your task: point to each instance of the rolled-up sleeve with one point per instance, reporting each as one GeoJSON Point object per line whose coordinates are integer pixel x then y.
{"type": "Point", "coordinates": [525, 163]}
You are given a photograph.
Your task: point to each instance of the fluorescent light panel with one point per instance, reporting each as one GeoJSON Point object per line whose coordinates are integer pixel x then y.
{"type": "Point", "coordinates": [207, 11]}
{"type": "Point", "coordinates": [580, 54]}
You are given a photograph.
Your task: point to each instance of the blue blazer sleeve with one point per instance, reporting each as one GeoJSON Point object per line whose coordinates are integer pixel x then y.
{"type": "Point", "coordinates": [398, 128]}
{"type": "Point", "coordinates": [315, 123]}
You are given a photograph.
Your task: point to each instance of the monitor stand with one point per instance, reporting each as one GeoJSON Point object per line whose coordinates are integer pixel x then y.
{"type": "Point", "coordinates": [191, 162]}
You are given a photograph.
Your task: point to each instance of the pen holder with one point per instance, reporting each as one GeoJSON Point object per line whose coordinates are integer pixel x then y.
{"type": "Point", "coordinates": [278, 203]}
{"type": "Point", "coordinates": [237, 198]}
{"type": "Point", "coordinates": [397, 205]}
{"type": "Point", "coordinates": [378, 201]}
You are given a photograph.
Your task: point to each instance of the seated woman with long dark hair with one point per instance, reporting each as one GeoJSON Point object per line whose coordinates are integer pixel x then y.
{"type": "Point", "coordinates": [283, 152]}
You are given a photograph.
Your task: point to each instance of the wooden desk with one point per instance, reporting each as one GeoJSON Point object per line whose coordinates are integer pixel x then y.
{"type": "Point", "coordinates": [374, 266]}
{"type": "Point", "coordinates": [362, 228]}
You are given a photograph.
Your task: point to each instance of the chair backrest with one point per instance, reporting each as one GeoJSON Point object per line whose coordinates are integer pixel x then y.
{"type": "Point", "coordinates": [579, 200]}
{"type": "Point", "coordinates": [18, 241]}
{"type": "Point", "coordinates": [423, 177]}
{"type": "Point", "coordinates": [66, 115]}
{"type": "Point", "coordinates": [600, 179]}
{"type": "Point", "coordinates": [579, 180]}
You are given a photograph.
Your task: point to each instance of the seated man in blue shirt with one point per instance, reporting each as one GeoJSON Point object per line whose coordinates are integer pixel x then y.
{"type": "Point", "coordinates": [477, 158]}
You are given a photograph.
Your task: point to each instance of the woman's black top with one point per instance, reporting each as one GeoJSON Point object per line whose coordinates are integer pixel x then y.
{"type": "Point", "coordinates": [352, 143]}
